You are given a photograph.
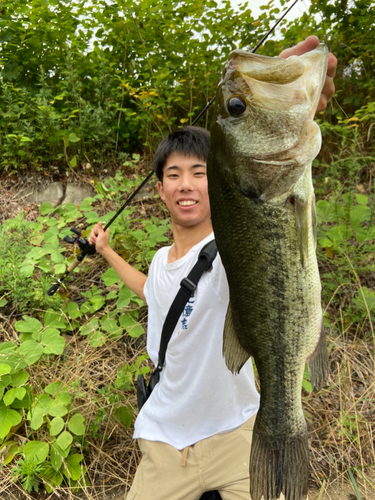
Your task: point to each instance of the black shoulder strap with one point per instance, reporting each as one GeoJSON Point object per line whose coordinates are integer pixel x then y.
{"type": "Point", "coordinates": [188, 285]}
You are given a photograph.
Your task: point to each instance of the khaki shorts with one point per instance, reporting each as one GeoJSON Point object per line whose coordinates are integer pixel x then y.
{"type": "Point", "coordinates": [220, 462]}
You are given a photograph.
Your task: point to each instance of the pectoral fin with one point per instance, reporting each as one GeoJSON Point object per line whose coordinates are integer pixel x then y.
{"type": "Point", "coordinates": [317, 362]}
{"type": "Point", "coordinates": [234, 354]}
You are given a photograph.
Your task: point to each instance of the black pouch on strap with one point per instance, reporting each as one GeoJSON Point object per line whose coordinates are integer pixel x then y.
{"type": "Point", "coordinates": [211, 495]}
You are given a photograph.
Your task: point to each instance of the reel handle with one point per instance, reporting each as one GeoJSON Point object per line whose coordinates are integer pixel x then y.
{"type": "Point", "coordinates": [51, 291]}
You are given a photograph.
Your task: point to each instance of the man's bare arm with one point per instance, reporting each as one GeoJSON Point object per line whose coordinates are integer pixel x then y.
{"type": "Point", "coordinates": [133, 279]}
{"type": "Point", "coordinates": [311, 43]}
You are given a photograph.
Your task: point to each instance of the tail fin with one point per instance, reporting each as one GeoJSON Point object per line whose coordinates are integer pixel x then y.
{"type": "Point", "coordinates": [278, 466]}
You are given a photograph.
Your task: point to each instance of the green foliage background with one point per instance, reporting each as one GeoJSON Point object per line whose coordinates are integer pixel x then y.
{"type": "Point", "coordinates": [87, 81]}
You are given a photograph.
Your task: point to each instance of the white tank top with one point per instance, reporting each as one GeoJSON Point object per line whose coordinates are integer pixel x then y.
{"type": "Point", "coordinates": [197, 396]}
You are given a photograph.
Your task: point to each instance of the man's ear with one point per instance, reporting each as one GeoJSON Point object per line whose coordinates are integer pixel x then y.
{"type": "Point", "coordinates": [161, 190]}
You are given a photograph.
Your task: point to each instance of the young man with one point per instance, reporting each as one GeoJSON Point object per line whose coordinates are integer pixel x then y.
{"type": "Point", "coordinates": [195, 429]}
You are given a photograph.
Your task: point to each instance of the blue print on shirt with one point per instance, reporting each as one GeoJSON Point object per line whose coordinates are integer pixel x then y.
{"type": "Point", "coordinates": [187, 312]}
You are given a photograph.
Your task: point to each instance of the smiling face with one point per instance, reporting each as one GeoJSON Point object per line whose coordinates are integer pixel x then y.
{"type": "Point", "coordinates": [184, 190]}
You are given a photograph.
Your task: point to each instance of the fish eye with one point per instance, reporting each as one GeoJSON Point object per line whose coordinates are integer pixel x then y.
{"type": "Point", "coordinates": [236, 106]}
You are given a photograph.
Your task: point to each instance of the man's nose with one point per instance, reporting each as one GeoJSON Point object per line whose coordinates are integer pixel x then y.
{"type": "Point", "coordinates": [186, 183]}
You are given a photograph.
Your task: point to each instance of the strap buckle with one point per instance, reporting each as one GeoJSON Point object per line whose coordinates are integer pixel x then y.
{"type": "Point", "coordinates": [188, 285]}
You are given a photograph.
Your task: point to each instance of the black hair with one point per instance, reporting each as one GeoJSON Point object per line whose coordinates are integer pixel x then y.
{"type": "Point", "coordinates": [189, 141]}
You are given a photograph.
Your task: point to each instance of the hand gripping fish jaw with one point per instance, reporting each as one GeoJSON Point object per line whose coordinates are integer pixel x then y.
{"type": "Point", "coordinates": [85, 248]}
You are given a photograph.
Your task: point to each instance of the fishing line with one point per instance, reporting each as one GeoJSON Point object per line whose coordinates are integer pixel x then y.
{"type": "Point", "coordinates": [84, 245]}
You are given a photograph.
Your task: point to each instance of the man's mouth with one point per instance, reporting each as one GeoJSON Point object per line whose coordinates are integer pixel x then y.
{"type": "Point", "coordinates": [186, 203]}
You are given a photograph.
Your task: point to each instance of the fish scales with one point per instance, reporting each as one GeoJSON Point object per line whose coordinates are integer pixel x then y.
{"type": "Point", "coordinates": [263, 214]}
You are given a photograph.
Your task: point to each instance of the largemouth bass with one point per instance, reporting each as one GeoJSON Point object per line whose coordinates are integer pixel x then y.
{"type": "Point", "coordinates": [263, 142]}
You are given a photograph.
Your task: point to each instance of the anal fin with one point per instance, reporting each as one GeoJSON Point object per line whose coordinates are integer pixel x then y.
{"type": "Point", "coordinates": [317, 362]}
{"type": "Point", "coordinates": [234, 354]}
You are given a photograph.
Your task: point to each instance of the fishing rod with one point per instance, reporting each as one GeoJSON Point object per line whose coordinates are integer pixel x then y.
{"type": "Point", "coordinates": [83, 244]}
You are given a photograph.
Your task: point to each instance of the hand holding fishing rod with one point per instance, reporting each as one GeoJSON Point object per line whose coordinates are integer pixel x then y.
{"type": "Point", "coordinates": [87, 247]}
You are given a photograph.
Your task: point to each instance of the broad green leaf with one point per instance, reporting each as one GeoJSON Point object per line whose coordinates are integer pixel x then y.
{"type": "Point", "coordinates": [56, 426]}
{"type": "Point", "coordinates": [43, 403]}
{"type": "Point", "coordinates": [133, 328]}
{"type": "Point", "coordinates": [8, 418]}
{"type": "Point", "coordinates": [63, 397]}
{"type": "Point", "coordinates": [360, 213]}
{"type": "Point", "coordinates": [110, 277]}
{"type": "Point", "coordinates": [124, 415]}
{"type": "Point", "coordinates": [57, 410]}
{"type": "Point", "coordinates": [97, 339]}
{"type": "Point", "coordinates": [60, 268]}
{"type": "Point", "coordinates": [46, 208]}
{"type": "Point", "coordinates": [73, 137]}
{"type": "Point", "coordinates": [97, 303]}
{"type": "Point", "coordinates": [7, 347]}
{"type": "Point", "coordinates": [24, 403]}
{"type": "Point", "coordinates": [19, 378]}
{"type": "Point", "coordinates": [56, 456]}
{"type": "Point", "coordinates": [325, 242]}
{"type": "Point", "coordinates": [27, 270]}
{"type": "Point", "coordinates": [3, 302]}
{"type": "Point", "coordinates": [64, 440]}
{"type": "Point", "coordinates": [50, 248]}
{"type": "Point", "coordinates": [57, 258]}
{"type": "Point", "coordinates": [54, 319]}
{"type": "Point", "coordinates": [51, 477]}
{"type": "Point", "coordinates": [50, 236]}
{"type": "Point", "coordinates": [31, 350]}
{"type": "Point", "coordinates": [111, 326]}
{"type": "Point", "coordinates": [362, 199]}
{"type": "Point", "coordinates": [36, 238]}
{"type": "Point", "coordinates": [12, 394]}
{"type": "Point", "coordinates": [36, 449]}
{"type": "Point", "coordinates": [52, 340]}
{"type": "Point", "coordinates": [4, 368]}
{"type": "Point", "coordinates": [28, 325]}
{"type": "Point", "coordinates": [72, 310]}
{"type": "Point", "coordinates": [14, 360]}
{"type": "Point", "coordinates": [306, 385]}
{"type": "Point", "coordinates": [86, 205]}
{"type": "Point", "coordinates": [36, 253]}
{"type": "Point", "coordinates": [76, 425]}
{"type": "Point", "coordinates": [11, 449]}
{"type": "Point", "coordinates": [90, 328]}
{"type": "Point", "coordinates": [54, 387]}
{"type": "Point", "coordinates": [37, 418]}
{"type": "Point", "coordinates": [73, 162]}
{"type": "Point", "coordinates": [124, 297]}
{"type": "Point", "coordinates": [74, 467]}
{"type": "Point", "coordinates": [92, 218]}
